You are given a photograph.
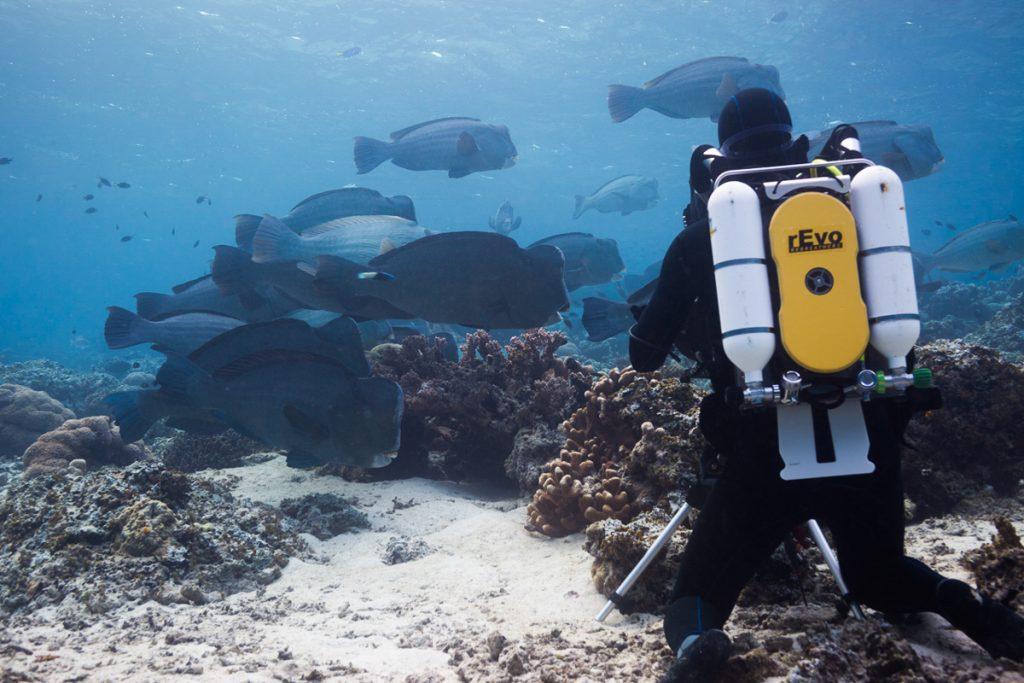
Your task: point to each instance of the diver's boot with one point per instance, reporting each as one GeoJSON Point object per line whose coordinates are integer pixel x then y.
{"type": "Point", "coordinates": [700, 658]}
{"type": "Point", "coordinates": [992, 625]}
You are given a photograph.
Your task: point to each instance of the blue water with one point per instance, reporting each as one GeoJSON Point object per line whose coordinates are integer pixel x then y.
{"type": "Point", "coordinates": [254, 105]}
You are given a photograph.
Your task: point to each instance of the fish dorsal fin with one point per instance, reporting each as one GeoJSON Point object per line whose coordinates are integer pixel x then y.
{"type": "Point", "coordinates": [689, 65]}
{"type": "Point", "coordinates": [353, 221]}
{"type": "Point", "coordinates": [548, 240]}
{"type": "Point", "coordinates": [615, 180]}
{"type": "Point", "coordinates": [466, 146]}
{"type": "Point", "coordinates": [876, 122]}
{"type": "Point", "coordinates": [399, 134]}
{"type": "Point", "coordinates": [547, 254]}
{"type": "Point", "coordinates": [459, 239]}
{"type": "Point", "coordinates": [344, 334]}
{"type": "Point", "coordinates": [386, 245]}
{"type": "Point", "coordinates": [351, 191]}
{"type": "Point", "coordinates": [644, 293]}
{"type": "Point", "coordinates": [179, 288]}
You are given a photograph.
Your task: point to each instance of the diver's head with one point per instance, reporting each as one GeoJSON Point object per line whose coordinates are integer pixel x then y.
{"type": "Point", "coordinates": [754, 123]}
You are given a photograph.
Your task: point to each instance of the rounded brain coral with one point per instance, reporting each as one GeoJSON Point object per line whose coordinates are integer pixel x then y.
{"type": "Point", "coordinates": [24, 415]}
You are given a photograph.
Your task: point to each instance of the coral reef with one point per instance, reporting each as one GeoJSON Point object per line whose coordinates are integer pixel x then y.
{"type": "Point", "coordinates": [955, 310]}
{"type": "Point", "coordinates": [461, 418]}
{"type": "Point", "coordinates": [193, 452]}
{"type": "Point", "coordinates": [976, 440]}
{"type": "Point", "coordinates": [403, 549]}
{"type": "Point", "coordinates": [998, 566]}
{"type": "Point", "coordinates": [94, 440]}
{"type": "Point", "coordinates": [533, 447]}
{"type": "Point", "coordinates": [24, 415]}
{"type": "Point", "coordinates": [325, 515]}
{"type": "Point", "coordinates": [616, 462]}
{"type": "Point", "coordinates": [1005, 331]}
{"type": "Point", "coordinates": [82, 392]}
{"type": "Point", "coordinates": [91, 542]}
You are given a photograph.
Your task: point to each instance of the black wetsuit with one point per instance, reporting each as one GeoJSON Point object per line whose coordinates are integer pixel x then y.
{"type": "Point", "coordinates": [750, 509]}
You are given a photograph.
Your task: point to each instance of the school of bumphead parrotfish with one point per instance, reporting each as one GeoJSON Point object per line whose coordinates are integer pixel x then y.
{"type": "Point", "coordinates": [272, 342]}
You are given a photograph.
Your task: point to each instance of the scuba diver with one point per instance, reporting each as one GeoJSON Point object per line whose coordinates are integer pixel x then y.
{"type": "Point", "coordinates": [752, 506]}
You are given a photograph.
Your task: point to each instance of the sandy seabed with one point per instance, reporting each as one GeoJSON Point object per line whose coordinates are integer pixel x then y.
{"type": "Point", "coordinates": [485, 600]}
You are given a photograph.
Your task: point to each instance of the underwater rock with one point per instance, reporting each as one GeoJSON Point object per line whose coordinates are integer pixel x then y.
{"type": "Point", "coordinates": [95, 439]}
{"type": "Point", "coordinates": [461, 418]}
{"type": "Point", "coordinates": [616, 462]}
{"type": "Point", "coordinates": [82, 392]}
{"type": "Point", "coordinates": [868, 650]}
{"type": "Point", "coordinates": [533, 447]}
{"type": "Point", "coordinates": [617, 546]}
{"type": "Point", "coordinates": [1005, 331]}
{"type": "Point", "coordinates": [998, 566]}
{"type": "Point", "coordinates": [194, 452]}
{"type": "Point", "coordinates": [976, 439]}
{"type": "Point", "coordinates": [24, 415]}
{"type": "Point", "coordinates": [324, 515]}
{"type": "Point", "coordinates": [109, 537]}
{"type": "Point", "coordinates": [402, 549]}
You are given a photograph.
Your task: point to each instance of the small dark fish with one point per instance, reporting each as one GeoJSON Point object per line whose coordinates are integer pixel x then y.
{"type": "Point", "coordinates": [939, 223]}
{"type": "Point", "coordinates": [127, 238]}
{"type": "Point", "coordinates": [91, 209]}
{"type": "Point", "coordinates": [39, 197]}
{"type": "Point", "coordinates": [172, 230]}
{"type": "Point", "coordinates": [195, 244]}
{"type": "Point", "coordinates": [123, 185]}
{"type": "Point", "coordinates": [146, 214]}
{"type": "Point", "coordinates": [117, 226]}
{"type": "Point", "coordinates": [951, 226]}
{"type": "Point", "coordinates": [136, 364]}
{"type": "Point", "coordinates": [5, 160]}
{"type": "Point", "coordinates": [209, 202]}
{"type": "Point", "coordinates": [89, 197]}
{"type": "Point", "coordinates": [351, 52]}
{"type": "Point", "coordinates": [74, 332]}
{"type": "Point", "coordinates": [102, 182]}
{"type": "Point", "coordinates": [200, 199]}
{"type": "Point", "coordinates": [779, 17]}
{"type": "Point", "coordinates": [926, 231]}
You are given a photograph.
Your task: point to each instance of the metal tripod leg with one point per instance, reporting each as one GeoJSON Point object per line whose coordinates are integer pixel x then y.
{"type": "Point", "coordinates": [833, 566]}
{"type": "Point", "coordinates": [645, 561]}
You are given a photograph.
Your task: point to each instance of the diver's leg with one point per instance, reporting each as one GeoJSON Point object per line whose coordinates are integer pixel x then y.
{"type": "Point", "coordinates": [865, 514]}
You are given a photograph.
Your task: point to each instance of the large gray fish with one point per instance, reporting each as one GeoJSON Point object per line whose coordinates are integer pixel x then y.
{"type": "Point", "coordinates": [604, 319]}
{"type": "Point", "coordinates": [328, 206]}
{"type": "Point", "coordinates": [458, 145]}
{"type": "Point", "coordinates": [989, 246]}
{"type": "Point", "coordinates": [589, 260]}
{"type": "Point", "coordinates": [694, 90]}
{"type": "Point", "coordinates": [909, 150]}
{"type": "Point", "coordinates": [624, 194]}
{"type": "Point", "coordinates": [505, 220]}
{"type": "Point", "coordinates": [283, 384]}
{"type": "Point", "coordinates": [183, 333]}
{"type": "Point", "coordinates": [357, 238]}
{"type": "Point", "coordinates": [203, 295]}
{"type": "Point", "coordinates": [477, 279]}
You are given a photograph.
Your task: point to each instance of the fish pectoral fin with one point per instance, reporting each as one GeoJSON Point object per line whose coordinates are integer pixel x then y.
{"type": "Point", "coordinates": [386, 245]}
{"type": "Point", "coordinates": [458, 172]}
{"type": "Point", "coordinates": [995, 247]}
{"type": "Point", "coordinates": [305, 424]}
{"type": "Point", "coordinates": [466, 144]}
{"type": "Point", "coordinates": [727, 88]}
{"type": "Point", "coordinates": [996, 267]}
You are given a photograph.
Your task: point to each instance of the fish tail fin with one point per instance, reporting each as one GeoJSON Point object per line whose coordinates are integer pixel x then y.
{"type": "Point", "coordinates": [179, 378]}
{"type": "Point", "coordinates": [123, 328]}
{"type": "Point", "coordinates": [126, 407]}
{"type": "Point", "coordinates": [599, 318]}
{"type": "Point", "coordinates": [246, 225]}
{"type": "Point", "coordinates": [923, 265]}
{"type": "Point", "coordinates": [490, 222]}
{"type": "Point", "coordinates": [516, 223]}
{"type": "Point", "coordinates": [232, 270]}
{"type": "Point", "coordinates": [624, 101]}
{"type": "Point", "coordinates": [274, 241]}
{"type": "Point", "coordinates": [148, 304]}
{"type": "Point", "coordinates": [581, 206]}
{"type": "Point", "coordinates": [370, 153]}
{"type": "Point", "coordinates": [336, 273]}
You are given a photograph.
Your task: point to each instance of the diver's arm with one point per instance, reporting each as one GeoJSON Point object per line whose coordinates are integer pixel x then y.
{"type": "Point", "coordinates": [650, 340]}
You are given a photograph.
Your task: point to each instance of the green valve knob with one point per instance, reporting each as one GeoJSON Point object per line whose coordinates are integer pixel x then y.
{"type": "Point", "coordinates": [922, 378]}
{"type": "Point", "coordinates": [879, 382]}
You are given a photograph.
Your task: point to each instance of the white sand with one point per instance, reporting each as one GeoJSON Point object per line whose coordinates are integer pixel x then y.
{"type": "Point", "coordinates": [353, 617]}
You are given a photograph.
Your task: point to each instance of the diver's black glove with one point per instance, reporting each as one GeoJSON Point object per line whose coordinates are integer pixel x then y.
{"type": "Point", "coordinates": [834, 150]}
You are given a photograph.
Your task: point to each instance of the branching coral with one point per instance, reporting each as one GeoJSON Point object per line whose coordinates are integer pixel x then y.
{"type": "Point", "coordinates": [461, 419]}
{"type": "Point", "coordinates": [998, 566]}
{"type": "Point", "coordinates": [96, 440]}
{"type": "Point", "coordinates": [24, 415]}
{"type": "Point", "coordinates": [616, 462]}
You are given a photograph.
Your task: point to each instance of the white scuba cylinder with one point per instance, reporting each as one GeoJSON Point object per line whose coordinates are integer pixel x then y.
{"type": "Point", "coordinates": [886, 263]}
{"type": "Point", "coordinates": [741, 278]}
